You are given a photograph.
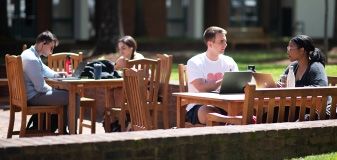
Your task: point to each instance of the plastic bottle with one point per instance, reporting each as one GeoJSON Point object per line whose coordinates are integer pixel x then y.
{"type": "Point", "coordinates": [68, 65]}
{"type": "Point", "coordinates": [291, 77]}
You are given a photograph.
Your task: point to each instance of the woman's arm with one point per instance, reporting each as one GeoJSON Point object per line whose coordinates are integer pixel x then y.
{"type": "Point", "coordinates": [120, 63]}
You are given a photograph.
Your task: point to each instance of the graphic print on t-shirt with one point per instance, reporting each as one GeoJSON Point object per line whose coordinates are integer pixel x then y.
{"type": "Point", "coordinates": [215, 77]}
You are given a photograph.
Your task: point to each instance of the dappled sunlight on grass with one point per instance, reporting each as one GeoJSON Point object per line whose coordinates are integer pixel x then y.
{"type": "Point", "coordinates": [257, 56]}
{"type": "Point", "coordinates": [265, 62]}
{"type": "Point", "coordinates": [328, 156]}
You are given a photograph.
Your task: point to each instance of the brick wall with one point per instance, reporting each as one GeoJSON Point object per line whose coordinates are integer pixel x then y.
{"type": "Point", "coordinates": [261, 141]}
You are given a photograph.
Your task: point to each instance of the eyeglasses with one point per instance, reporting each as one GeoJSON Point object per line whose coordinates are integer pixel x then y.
{"type": "Point", "coordinates": [291, 48]}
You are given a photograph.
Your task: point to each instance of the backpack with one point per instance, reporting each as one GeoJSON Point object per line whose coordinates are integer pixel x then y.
{"type": "Point", "coordinates": [108, 71]}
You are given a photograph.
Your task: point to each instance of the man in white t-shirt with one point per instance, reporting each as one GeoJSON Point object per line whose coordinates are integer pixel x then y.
{"type": "Point", "coordinates": [205, 72]}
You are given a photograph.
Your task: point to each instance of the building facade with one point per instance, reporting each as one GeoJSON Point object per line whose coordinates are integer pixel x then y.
{"type": "Point", "coordinates": [75, 19]}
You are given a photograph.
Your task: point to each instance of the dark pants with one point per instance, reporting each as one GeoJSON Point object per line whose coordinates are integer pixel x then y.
{"type": "Point", "coordinates": [56, 97]}
{"type": "Point", "coordinates": [192, 114]}
{"type": "Point", "coordinates": [286, 115]}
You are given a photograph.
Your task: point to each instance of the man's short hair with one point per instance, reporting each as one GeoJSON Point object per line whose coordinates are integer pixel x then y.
{"type": "Point", "coordinates": [47, 37]}
{"type": "Point", "coordinates": [210, 32]}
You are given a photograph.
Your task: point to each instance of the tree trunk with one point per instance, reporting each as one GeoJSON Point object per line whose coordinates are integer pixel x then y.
{"type": "Point", "coordinates": [3, 19]}
{"type": "Point", "coordinates": [326, 38]}
{"type": "Point", "coordinates": [108, 25]}
{"type": "Point", "coordinates": [335, 26]}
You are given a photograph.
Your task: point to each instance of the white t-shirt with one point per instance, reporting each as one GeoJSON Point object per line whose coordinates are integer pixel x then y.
{"type": "Point", "coordinates": [138, 56]}
{"type": "Point", "coordinates": [200, 66]}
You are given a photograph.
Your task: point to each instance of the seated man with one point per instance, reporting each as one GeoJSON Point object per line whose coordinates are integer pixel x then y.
{"type": "Point", "coordinates": [38, 91]}
{"type": "Point", "coordinates": [205, 72]}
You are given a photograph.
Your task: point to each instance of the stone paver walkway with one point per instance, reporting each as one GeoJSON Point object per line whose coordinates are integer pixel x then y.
{"type": "Point", "coordinates": [4, 120]}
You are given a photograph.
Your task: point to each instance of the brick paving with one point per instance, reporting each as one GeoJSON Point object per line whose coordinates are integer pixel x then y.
{"type": "Point", "coordinates": [4, 120]}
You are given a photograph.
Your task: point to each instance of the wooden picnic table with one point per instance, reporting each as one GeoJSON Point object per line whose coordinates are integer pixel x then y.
{"type": "Point", "coordinates": [229, 102]}
{"type": "Point", "coordinates": [232, 103]}
{"type": "Point", "coordinates": [73, 87]}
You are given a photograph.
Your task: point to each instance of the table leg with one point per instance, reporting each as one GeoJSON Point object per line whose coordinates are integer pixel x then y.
{"type": "Point", "coordinates": [180, 114]}
{"type": "Point", "coordinates": [72, 110]}
{"type": "Point", "coordinates": [107, 113]}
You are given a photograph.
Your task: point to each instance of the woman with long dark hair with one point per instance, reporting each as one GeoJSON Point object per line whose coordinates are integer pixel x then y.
{"type": "Point", "coordinates": [308, 65]}
{"type": "Point", "coordinates": [308, 62]}
{"type": "Point", "coordinates": [127, 47]}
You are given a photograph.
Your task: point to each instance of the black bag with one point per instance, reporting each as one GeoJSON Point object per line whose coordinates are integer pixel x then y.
{"type": "Point", "coordinates": [33, 122]}
{"type": "Point", "coordinates": [107, 70]}
{"type": "Point", "coordinates": [115, 126]}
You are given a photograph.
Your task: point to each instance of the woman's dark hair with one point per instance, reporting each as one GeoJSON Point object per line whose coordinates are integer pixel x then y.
{"type": "Point", "coordinates": [47, 37]}
{"type": "Point", "coordinates": [130, 42]}
{"type": "Point", "coordinates": [314, 54]}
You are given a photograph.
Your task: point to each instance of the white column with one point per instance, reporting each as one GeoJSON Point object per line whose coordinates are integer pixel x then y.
{"type": "Point", "coordinates": [196, 18]}
{"type": "Point", "coordinates": [81, 20]}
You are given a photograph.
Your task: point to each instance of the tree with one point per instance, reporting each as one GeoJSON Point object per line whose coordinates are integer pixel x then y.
{"type": "Point", "coordinates": [326, 38]}
{"type": "Point", "coordinates": [109, 26]}
{"type": "Point", "coordinates": [3, 18]}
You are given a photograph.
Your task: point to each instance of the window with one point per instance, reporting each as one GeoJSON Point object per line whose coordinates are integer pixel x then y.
{"type": "Point", "coordinates": [62, 18]}
{"type": "Point", "coordinates": [176, 17]}
{"type": "Point", "coordinates": [243, 13]}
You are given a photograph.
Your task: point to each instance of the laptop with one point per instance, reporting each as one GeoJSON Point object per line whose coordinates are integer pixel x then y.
{"type": "Point", "coordinates": [76, 74]}
{"type": "Point", "coordinates": [234, 82]}
{"type": "Point", "coordinates": [264, 80]}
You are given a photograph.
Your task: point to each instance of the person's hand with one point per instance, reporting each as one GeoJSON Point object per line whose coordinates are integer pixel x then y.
{"type": "Point", "coordinates": [120, 63]}
{"type": "Point", "coordinates": [218, 83]}
{"type": "Point", "coordinates": [214, 84]}
{"type": "Point", "coordinates": [280, 84]}
{"type": "Point", "coordinates": [61, 75]}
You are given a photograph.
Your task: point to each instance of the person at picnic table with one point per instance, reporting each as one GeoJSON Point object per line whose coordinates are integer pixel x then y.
{"type": "Point", "coordinates": [308, 62]}
{"type": "Point", "coordinates": [205, 72]}
{"type": "Point", "coordinates": [127, 47]}
{"type": "Point", "coordinates": [35, 71]}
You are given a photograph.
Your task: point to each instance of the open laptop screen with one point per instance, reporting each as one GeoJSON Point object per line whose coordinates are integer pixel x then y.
{"type": "Point", "coordinates": [264, 80]}
{"type": "Point", "coordinates": [234, 82]}
{"type": "Point", "coordinates": [76, 74]}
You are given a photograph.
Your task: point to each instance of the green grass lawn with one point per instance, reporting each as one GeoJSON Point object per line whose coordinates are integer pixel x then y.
{"type": "Point", "coordinates": [328, 156]}
{"type": "Point", "coordinates": [264, 62]}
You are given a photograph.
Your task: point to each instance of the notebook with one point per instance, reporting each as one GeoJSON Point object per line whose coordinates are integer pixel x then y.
{"type": "Point", "coordinates": [234, 82]}
{"type": "Point", "coordinates": [264, 80]}
{"type": "Point", "coordinates": [76, 74]}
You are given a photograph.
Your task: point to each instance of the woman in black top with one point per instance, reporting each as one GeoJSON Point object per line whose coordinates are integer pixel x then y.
{"type": "Point", "coordinates": [308, 62]}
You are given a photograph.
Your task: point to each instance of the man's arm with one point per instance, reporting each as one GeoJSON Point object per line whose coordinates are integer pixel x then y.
{"type": "Point", "coordinates": [203, 85]}
{"type": "Point", "coordinates": [47, 72]}
{"type": "Point", "coordinates": [34, 73]}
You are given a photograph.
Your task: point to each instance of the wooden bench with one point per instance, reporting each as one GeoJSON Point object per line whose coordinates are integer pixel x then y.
{"type": "Point", "coordinates": [247, 35]}
{"type": "Point", "coordinates": [264, 100]}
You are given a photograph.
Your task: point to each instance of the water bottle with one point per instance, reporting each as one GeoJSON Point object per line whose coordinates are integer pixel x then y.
{"type": "Point", "coordinates": [291, 77]}
{"type": "Point", "coordinates": [68, 66]}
